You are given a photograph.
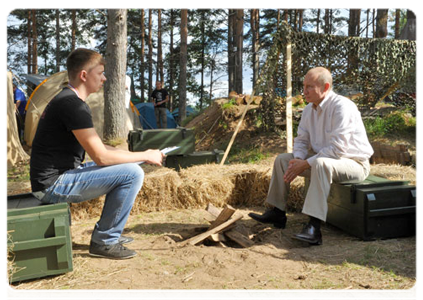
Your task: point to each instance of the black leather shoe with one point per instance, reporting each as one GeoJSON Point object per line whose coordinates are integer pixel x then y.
{"type": "Point", "coordinates": [273, 216]}
{"type": "Point", "coordinates": [310, 234]}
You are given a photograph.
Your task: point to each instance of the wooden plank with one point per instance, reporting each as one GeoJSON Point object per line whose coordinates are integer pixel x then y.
{"type": "Point", "coordinates": [201, 237]}
{"type": "Point", "coordinates": [224, 215]}
{"type": "Point", "coordinates": [289, 133]}
{"type": "Point", "coordinates": [239, 238]}
{"type": "Point", "coordinates": [213, 210]}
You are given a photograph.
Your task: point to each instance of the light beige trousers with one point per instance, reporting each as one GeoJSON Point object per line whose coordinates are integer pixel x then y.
{"type": "Point", "coordinates": [322, 173]}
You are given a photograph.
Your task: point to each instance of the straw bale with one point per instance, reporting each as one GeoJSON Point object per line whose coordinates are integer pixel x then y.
{"type": "Point", "coordinates": [87, 209]}
{"type": "Point", "coordinates": [159, 191]}
{"type": "Point", "coordinates": [394, 172]}
{"type": "Point", "coordinates": [237, 185]}
{"type": "Point", "coordinates": [11, 266]}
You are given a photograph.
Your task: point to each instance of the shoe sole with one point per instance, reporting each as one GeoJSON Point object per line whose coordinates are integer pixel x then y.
{"type": "Point", "coordinates": [111, 257]}
{"type": "Point", "coordinates": [313, 243]}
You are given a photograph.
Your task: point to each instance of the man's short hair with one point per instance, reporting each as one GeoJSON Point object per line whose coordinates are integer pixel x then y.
{"type": "Point", "coordinates": [323, 76]}
{"type": "Point", "coordinates": [83, 59]}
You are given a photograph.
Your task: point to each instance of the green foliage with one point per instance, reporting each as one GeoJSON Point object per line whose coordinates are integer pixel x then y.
{"type": "Point", "coordinates": [399, 122]}
{"type": "Point", "coordinates": [248, 155]}
{"type": "Point", "coordinates": [228, 105]}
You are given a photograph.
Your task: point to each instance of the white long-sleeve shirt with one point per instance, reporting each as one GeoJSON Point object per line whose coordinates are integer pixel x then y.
{"type": "Point", "coordinates": [333, 129]}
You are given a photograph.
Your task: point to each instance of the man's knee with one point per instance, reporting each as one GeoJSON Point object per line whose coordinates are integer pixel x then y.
{"type": "Point", "coordinates": [136, 173]}
{"type": "Point", "coordinates": [283, 159]}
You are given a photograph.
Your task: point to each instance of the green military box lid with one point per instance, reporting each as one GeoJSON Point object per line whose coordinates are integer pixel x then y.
{"type": "Point", "coordinates": [141, 140]}
{"type": "Point", "coordinates": [373, 208]}
{"type": "Point", "coordinates": [197, 158]}
{"type": "Point", "coordinates": [39, 242]}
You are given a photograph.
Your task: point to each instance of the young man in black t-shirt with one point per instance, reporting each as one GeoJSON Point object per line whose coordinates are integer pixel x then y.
{"type": "Point", "coordinates": [57, 169]}
{"type": "Point", "coordinates": [159, 97]}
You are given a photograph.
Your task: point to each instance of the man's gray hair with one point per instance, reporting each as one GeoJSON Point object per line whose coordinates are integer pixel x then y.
{"type": "Point", "coordinates": [323, 75]}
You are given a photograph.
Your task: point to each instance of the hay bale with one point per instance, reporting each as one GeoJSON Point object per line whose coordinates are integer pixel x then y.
{"type": "Point", "coordinates": [159, 191]}
{"type": "Point", "coordinates": [87, 209]}
{"type": "Point", "coordinates": [394, 172]}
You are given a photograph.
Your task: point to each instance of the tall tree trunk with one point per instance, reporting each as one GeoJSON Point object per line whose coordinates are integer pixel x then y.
{"type": "Point", "coordinates": [29, 36]}
{"type": "Point", "coordinates": [295, 19]}
{"type": "Point", "coordinates": [409, 30]}
{"type": "Point", "coordinates": [354, 22]}
{"type": "Point", "coordinates": [367, 22]}
{"type": "Point", "coordinates": [159, 46]}
{"type": "Point", "coordinates": [150, 53]}
{"type": "Point", "coordinates": [300, 20]}
{"type": "Point", "coordinates": [239, 34]}
{"type": "Point", "coordinates": [171, 60]}
{"type": "Point", "coordinates": [203, 46]}
{"type": "Point", "coordinates": [397, 23]}
{"type": "Point", "coordinates": [255, 21]}
{"type": "Point", "coordinates": [327, 20]}
{"type": "Point", "coordinates": [34, 43]}
{"type": "Point", "coordinates": [183, 66]}
{"type": "Point", "coordinates": [278, 21]}
{"type": "Point", "coordinates": [374, 23]}
{"type": "Point", "coordinates": [382, 23]}
{"type": "Point", "coordinates": [114, 88]}
{"type": "Point", "coordinates": [318, 21]}
{"type": "Point", "coordinates": [57, 40]}
{"type": "Point", "coordinates": [142, 68]}
{"type": "Point", "coordinates": [231, 53]}
{"type": "Point", "coordinates": [73, 29]}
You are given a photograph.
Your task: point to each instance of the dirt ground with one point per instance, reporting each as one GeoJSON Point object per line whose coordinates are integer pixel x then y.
{"type": "Point", "coordinates": [275, 262]}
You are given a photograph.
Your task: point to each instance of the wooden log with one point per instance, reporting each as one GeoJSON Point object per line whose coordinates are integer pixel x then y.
{"type": "Point", "coordinates": [239, 238]}
{"type": "Point", "coordinates": [213, 210]}
{"type": "Point", "coordinates": [224, 215]}
{"type": "Point", "coordinates": [201, 237]}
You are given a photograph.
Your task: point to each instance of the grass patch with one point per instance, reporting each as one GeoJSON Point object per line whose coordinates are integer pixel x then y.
{"type": "Point", "coordinates": [248, 155]}
{"type": "Point", "coordinates": [398, 122]}
{"type": "Point", "coordinates": [18, 173]}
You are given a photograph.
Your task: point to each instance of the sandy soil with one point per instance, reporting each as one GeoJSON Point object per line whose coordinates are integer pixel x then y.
{"type": "Point", "coordinates": [276, 261]}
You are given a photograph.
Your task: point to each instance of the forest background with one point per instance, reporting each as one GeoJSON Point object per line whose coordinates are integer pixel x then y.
{"type": "Point", "coordinates": [224, 51]}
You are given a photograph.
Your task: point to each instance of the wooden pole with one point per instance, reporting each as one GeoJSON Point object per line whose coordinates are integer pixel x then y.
{"type": "Point", "coordinates": [236, 129]}
{"type": "Point", "coordinates": [289, 135]}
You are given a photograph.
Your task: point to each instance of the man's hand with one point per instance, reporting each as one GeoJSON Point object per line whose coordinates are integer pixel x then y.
{"type": "Point", "coordinates": [155, 157]}
{"type": "Point", "coordinates": [295, 168]}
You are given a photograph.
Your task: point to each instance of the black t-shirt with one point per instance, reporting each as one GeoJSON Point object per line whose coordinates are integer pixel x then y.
{"type": "Point", "coordinates": [54, 148]}
{"type": "Point", "coordinates": [159, 95]}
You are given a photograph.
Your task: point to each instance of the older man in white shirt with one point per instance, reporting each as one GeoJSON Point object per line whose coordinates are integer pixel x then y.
{"type": "Point", "coordinates": [331, 146]}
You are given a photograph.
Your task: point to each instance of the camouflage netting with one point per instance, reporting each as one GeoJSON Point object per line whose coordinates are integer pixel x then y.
{"type": "Point", "coordinates": [371, 69]}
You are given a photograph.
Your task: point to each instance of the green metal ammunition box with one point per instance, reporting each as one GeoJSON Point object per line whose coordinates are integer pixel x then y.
{"type": "Point", "coordinates": [197, 158]}
{"type": "Point", "coordinates": [374, 208]}
{"type": "Point", "coordinates": [141, 140]}
{"type": "Point", "coordinates": [40, 242]}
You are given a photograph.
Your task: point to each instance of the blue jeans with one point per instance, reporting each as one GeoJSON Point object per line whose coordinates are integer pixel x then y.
{"type": "Point", "coordinates": [121, 184]}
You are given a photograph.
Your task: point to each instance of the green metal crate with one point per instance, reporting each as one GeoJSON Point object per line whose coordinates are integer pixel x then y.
{"type": "Point", "coordinates": [374, 208]}
{"type": "Point", "coordinates": [40, 243]}
{"type": "Point", "coordinates": [197, 158]}
{"type": "Point", "coordinates": [141, 140]}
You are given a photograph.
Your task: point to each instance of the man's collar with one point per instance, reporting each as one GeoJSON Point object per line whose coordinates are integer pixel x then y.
{"type": "Point", "coordinates": [322, 104]}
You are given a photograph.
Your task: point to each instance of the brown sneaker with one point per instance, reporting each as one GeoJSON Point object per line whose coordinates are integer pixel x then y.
{"type": "Point", "coordinates": [115, 251]}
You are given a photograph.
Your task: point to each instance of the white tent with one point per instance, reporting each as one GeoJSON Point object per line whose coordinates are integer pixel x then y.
{"type": "Point", "coordinates": [15, 152]}
{"type": "Point", "coordinates": [46, 91]}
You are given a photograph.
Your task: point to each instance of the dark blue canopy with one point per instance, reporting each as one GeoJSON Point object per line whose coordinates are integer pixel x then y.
{"type": "Point", "coordinates": [148, 118]}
